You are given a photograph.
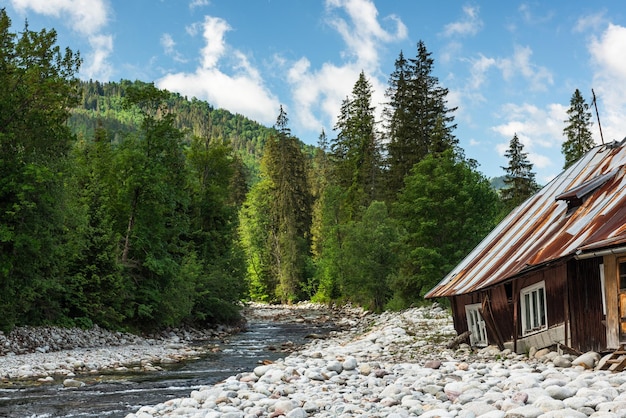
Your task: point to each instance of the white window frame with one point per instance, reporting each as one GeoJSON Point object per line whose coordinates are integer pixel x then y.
{"type": "Point", "coordinates": [476, 325]}
{"type": "Point", "coordinates": [534, 310]}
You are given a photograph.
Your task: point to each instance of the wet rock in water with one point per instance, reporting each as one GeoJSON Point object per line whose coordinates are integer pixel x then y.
{"type": "Point", "coordinates": [72, 383]}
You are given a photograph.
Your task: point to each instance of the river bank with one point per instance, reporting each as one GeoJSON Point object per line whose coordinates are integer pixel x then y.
{"type": "Point", "coordinates": [52, 355]}
{"type": "Point", "coordinates": [397, 365]}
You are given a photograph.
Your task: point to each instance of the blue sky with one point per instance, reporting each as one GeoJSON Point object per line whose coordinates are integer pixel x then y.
{"type": "Point", "coordinates": [511, 67]}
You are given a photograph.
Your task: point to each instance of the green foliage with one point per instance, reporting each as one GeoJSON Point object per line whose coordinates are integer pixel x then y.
{"type": "Point", "coordinates": [417, 119]}
{"type": "Point", "coordinates": [445, 209]}
{"type": "Point", "coordinates": [277, 238]}
{"type": "Point", "coordinates": [519, 180]}
{"type": "Point", "coordinates": [355, 153]}
{"type": "Point", "coordinates": [579, 139]}
{"type": "Point", "coordinates": [256, 239]}
{"type": "Point", "coordinates": [368, 258]}
{"type": "Point", "coordinates": [37, 86]}
{"type": "Point", "coordinates": [104, 103]}
{"type": "Point", "coordinates": [95, 289]}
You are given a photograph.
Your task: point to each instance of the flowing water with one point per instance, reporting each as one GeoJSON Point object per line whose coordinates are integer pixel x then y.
{"type": "Point", "coordinates": [119, 395]}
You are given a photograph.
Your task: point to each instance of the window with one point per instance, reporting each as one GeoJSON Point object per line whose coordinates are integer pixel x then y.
{"type": "Point", "coordinates": [533, 301]}
{"type": "Point", "coordinates": [476, 325]}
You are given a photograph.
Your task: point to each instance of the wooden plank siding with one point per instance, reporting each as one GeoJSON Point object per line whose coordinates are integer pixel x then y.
{"type": "Point", "coordinates": [588, 332]}
{"type": "Point", "coordinates": [458, 310]}
{"type": "Point", "coordinates": [612, 308]}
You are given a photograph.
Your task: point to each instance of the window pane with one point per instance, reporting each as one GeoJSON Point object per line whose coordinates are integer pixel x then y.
{"type": "Point", "coordinates": [535, 309]}
{"type": "Point", "coordinates": [527, 313]}
{"type": "Point", "coordinates": [622, 276]}
{"type": "Point", "coordinates": [542, 307]}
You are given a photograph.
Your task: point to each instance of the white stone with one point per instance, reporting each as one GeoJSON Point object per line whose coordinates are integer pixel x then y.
{"type": "Point", "coordinates": [261, 370]}
{"type": "Point", "coordinates": [297, 413]}
{"type": "Point", "coordinates": [526, 411]}
{"type": "Point", "coordinates": [71, 383]}
{"type": "Point", "coordinates": [349, 363]}
{"type": "Point", "coordinates": [561, 361]}
{"type": "Point", "coordinates": [560, 392]}
{"type": "Point", "coordinates": [479, 408]}
{"type": "Point", "coordinates": [587, 360]}
{"type": "Point", "coordinates": [334, 366]}
{"type": "Point", "coordinates": [284, 406]}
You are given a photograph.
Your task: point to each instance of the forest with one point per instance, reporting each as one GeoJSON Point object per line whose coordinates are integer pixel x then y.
{"type": "Point", "coordinates": [135, 208]}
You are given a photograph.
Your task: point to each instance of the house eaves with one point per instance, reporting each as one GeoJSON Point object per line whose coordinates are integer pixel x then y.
{"type": "Point", "coordinates": [545, 228]}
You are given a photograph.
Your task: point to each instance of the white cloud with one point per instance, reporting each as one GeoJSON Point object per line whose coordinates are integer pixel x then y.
{"type": "Point", "coordinates": [88, 18]}
{"type": "Point", "coordinates": [590, 22]}
{"type": "Point", "coordinates": [520, 64]}
{"type": "Point", "coordinates": [540, 130]}
{"type": "Point", "coordinates": [97, 66]}
{"type": "Point", "coordinates": [478, 71]}
{"type": "Point", "coordinates": [214, 30]}
{"type": "Point", "coordinates": [238, 88]}
{"type": "Point", "coordinates": [609, 80]}
{"type": "Point", "coordinates": [470, 24]}
{"type": "Point", "coordinates": [169, 46]}
{"type": "Point", "coordinates": [198, 3]}
{"type": "Point", "coordinates": [167, 42]}
{"type": "Point", "coordinates": [85, 16]}
{"type": "Point", "coordinates": [318, 92]}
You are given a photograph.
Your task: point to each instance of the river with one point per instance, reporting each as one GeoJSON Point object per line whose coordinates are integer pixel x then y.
{"type": "Point", "coordinates": [117, 395]}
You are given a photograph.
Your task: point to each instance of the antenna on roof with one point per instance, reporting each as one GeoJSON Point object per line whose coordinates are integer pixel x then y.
{"type": "Point", "coordinates": [595, 103]}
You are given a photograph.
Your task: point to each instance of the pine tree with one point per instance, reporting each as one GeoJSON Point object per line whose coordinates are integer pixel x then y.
{"type": "Point", "coordinates": [579, 139]}
{"type": "Point", "coordinates": [418, 120]}
{"type": "Point", "coordinates": [519, 180]}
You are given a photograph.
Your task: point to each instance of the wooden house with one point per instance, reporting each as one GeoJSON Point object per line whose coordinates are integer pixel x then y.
{"type": "Point", "coordinates": [554, 270]}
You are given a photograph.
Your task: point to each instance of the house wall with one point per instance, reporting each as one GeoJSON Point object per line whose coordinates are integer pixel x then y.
{"type": "Point", "coordinates": [611, 289]}
{"type": "Point", "coordinates": [505, 307]}
{"type": "Point", "coordinates": [458, 310]}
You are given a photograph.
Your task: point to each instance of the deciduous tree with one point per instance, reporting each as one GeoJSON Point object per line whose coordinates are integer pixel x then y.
{"type": "Point", "coordinates": [37, 89]}
{"type": "Point", "coordinates": [446, 208]}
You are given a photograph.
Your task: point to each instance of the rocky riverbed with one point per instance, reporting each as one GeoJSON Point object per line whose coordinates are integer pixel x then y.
{"type": "Point", "coordinates": [53, 355]}
{"type": "Point", "coordinates": [396, 365]}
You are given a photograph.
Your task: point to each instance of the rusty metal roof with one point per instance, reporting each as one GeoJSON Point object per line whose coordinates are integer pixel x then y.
{"type": "Point", "coordinates": [581, 210]}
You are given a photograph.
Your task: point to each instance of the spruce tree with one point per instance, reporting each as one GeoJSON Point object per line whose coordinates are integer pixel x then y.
{"type": "Point", "coordinates": [355, 153]}
{"type": "Point", "coordinates": [579, 139]}
{"type": "Point", "coordinates": [519, 180]}
{"type": "Point", "coordinates": [285, 167]}
{"type": "Point", "coordinates": [418, 120]}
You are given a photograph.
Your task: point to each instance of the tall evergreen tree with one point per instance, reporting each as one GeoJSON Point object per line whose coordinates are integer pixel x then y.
{"type": "Point", "coordinates": [418, 120]}
{"type": "Point", "coordinates": [355, 152]}
{"type": "Point", "coordinates": [96, 290]}
{"type": "Point", "coordinates": [284, 176]}
{"type": "Point", "coordinates": [37, 89]}
{"type": "Point", "coordinates": [579, 139]}
{"type": "Point", "coordinates": [519, 179]}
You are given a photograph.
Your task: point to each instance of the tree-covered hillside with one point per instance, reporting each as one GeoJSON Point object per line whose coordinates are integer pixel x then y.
{"type": "Point", "coordinates": [102, 105]}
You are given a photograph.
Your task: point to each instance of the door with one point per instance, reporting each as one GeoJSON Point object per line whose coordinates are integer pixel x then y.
{"type": "Point", "coordinates": [622, 300]}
